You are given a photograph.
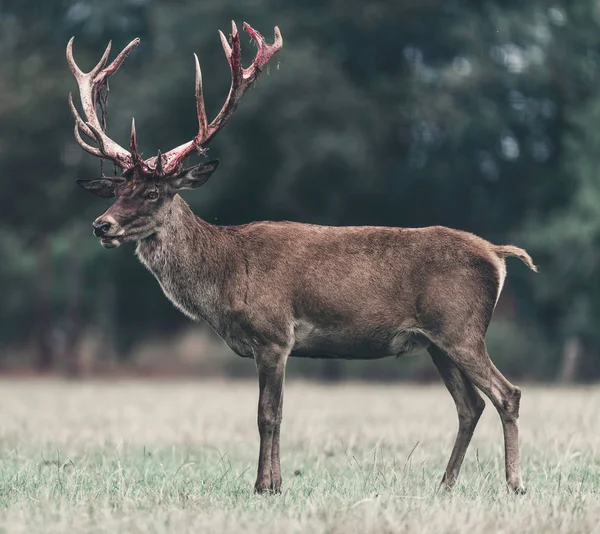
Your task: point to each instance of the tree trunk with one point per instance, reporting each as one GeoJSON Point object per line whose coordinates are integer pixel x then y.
{"type": "Point", "coordinates": [74, 316]}
{"type": "Point", "coordinates": [44, 358]}
{"type": "Point", "coordinates": [571, 358]}
{"type": "Point", "coordinates": [106, 351]}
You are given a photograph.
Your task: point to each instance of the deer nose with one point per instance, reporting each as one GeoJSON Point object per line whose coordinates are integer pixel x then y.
{"type": "Point", "coordinates": [101, 228]}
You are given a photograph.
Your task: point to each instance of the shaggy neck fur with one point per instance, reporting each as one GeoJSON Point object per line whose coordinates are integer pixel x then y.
{"type": "Point", "coordinates": [190, 258]}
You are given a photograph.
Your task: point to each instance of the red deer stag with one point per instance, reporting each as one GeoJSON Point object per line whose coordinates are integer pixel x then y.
{"type": "Point", "coordinates": [277, 289]}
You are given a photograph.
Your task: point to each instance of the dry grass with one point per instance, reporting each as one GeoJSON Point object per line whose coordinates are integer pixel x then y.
{"type": "Point", "coordinates": [180, 457]}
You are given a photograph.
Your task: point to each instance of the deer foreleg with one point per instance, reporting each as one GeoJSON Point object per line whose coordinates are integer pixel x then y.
{"type": "Point", "coordinates": [271, 371]}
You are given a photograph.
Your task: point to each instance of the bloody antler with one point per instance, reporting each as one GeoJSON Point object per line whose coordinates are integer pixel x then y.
{"type": "Point", "coordinates": [171, 161]}
{"type": "Point", "coordinates": [89, 86]}
{"type": "Point", "coordinates": [241, 79]}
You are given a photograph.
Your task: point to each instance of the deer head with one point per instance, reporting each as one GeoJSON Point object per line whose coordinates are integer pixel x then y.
{"type": "Point", "coordinates": [147, 186]}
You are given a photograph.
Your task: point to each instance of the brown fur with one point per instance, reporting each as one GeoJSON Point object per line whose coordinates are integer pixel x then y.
{"type": "Point", "coordinates": [278, 289]}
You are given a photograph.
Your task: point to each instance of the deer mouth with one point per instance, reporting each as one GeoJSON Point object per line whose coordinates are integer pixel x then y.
{"type": "Point", "coordinates": [111, 241]}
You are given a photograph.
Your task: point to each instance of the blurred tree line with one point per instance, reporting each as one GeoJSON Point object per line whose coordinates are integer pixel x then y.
{"type": "Point", "coordinates": [476, 115]}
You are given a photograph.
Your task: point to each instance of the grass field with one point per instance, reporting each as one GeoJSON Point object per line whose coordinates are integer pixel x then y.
{"type": "Point", "coordinates": [181, 457]}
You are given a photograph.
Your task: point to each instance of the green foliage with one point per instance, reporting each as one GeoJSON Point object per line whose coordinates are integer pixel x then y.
{"type": "Point", "coordinates": [480, 116]}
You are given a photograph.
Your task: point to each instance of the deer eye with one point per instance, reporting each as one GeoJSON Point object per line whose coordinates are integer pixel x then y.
{"type": "Point", "coordinates": [152, 194]}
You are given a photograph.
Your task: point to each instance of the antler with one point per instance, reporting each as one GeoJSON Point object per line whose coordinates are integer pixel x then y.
{"type": "Point", "coordinates": [90, 83]}
{"type": "Point", "coordinates": [241, 79]}
{"type": "Point", "coordinates": [89, 86]}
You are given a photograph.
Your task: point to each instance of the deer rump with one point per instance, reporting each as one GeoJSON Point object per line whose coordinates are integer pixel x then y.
{"type": "Point", "coordinates": [366, 292]}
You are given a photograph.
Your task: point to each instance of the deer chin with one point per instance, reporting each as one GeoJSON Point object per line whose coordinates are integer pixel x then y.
{"type": "Point", "coordinates": [111, 242]}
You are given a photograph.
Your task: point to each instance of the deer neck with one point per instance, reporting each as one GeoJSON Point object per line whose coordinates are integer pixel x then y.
{"type": "Point", "coordinates": [189, 257]}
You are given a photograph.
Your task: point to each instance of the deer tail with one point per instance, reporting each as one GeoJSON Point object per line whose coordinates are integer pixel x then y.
{"type": "Point", "coordinates": [510, 250]}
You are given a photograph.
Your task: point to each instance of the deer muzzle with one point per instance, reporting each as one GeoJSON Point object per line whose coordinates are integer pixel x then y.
{"type": "Point", "coordinates": [109, 231]}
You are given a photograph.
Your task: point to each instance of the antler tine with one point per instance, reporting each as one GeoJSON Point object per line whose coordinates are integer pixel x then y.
{"type": "Point", "coordinates": [241, 79]}
{"type": "Point", "coordinates": [100, 138]}
{"type": "Point", "coordinates": [133, 144]}
{"type": "Point", "coordinates": [201, 110]}
{"type": "Point", "coordinates": [77, 72]}
{"type": "Point", "coordinates": [88, 148]}
{"type": "Point", "coordinates": [89, 86]}
{"type": "Point", "coordinates": [264, 53]}
{"type": "Point", "coordinates": [78, 120]}
{"type": "Point", "coordinates": [80, 125]}
{"type": "Point", "coordinates": [226, 47]}
{"type": "Point", "coordinates": [102, 61]}
{"type": "Point", "coordinates": [235, 60]}
{"type": "Point", "coordinates": [116, 63]}
{"type": "Point", "coordinates": [159, 164]}
{"type": "Point", "coordinates": [277, 38]}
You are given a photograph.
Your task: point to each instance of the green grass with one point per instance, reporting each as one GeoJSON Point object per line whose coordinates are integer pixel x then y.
{"type": "Point", "coordinates": [181, 457]}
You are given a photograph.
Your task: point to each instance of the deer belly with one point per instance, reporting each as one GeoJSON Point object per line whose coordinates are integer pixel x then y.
{"type": "Point", "coordinates": [318, 342]}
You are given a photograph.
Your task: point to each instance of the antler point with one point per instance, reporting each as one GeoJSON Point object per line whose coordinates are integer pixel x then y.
{"type": "Point", "coordinates": [225, 43]}
{"type": "Point", "coordinates": [278, 41]}
{"type": "Point", "coordinates": [198, 72]}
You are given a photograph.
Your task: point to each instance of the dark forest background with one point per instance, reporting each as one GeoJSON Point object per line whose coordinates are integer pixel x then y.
{"type": "Point", "coordinates": [478, 115]}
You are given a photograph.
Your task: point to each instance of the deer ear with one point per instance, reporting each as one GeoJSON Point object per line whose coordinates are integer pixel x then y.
{"type": "Point", "coordinates": [102, 187]}
{"type": "Point", "coordinates": [194, 176]}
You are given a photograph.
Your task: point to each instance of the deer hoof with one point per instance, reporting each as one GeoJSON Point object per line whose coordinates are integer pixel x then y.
{"type": "Point", "coordinates": [263, 487]}
{"type": "Point", "coordinates": [275, 486]}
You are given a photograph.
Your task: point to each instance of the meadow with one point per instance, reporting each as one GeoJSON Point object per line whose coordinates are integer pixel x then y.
{"type": "Point", "coordinates": [180, 456]}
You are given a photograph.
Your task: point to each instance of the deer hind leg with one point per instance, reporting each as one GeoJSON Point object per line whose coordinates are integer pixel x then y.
{"type": "Point", "coordinates": [469, 406]}
{"type": "Point", "coordinates": [475, 363]}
